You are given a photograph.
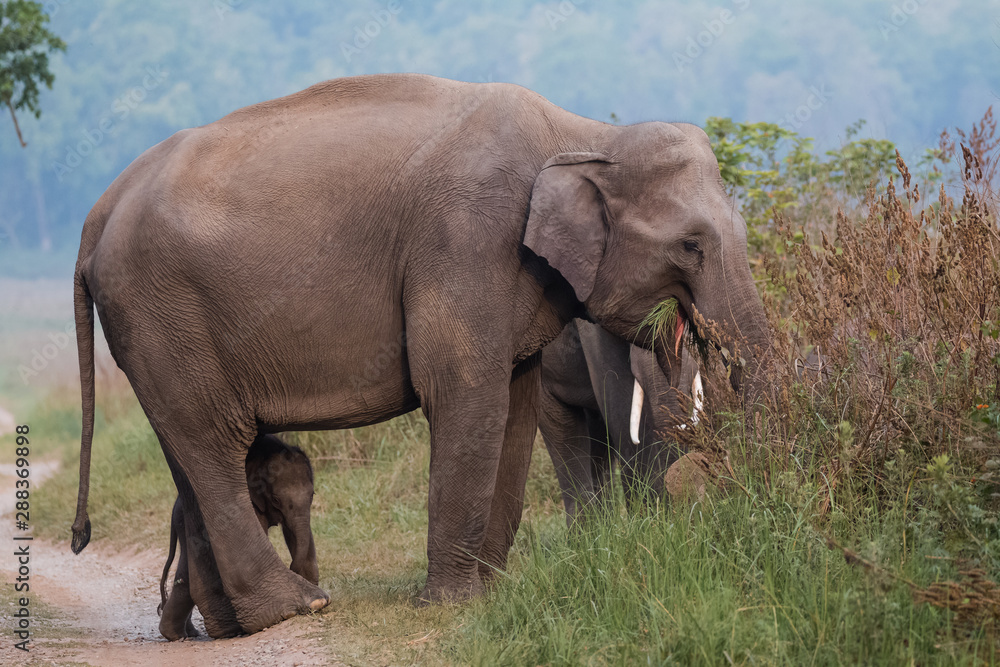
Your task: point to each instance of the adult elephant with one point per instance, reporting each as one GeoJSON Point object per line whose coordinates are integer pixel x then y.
{"type": "Point", "coordinates": [604, 402]}
{"type": "Point", "coordinates": [432, 237]}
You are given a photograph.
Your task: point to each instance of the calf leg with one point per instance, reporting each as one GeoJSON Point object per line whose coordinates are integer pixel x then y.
{"type": "Point", "coordinates": [175, 618]}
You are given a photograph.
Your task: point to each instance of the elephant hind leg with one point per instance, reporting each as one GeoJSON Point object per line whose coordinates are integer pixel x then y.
{"type": "Point", "coordinates": [199, 582]}
{"type": "Point", "coordinates": [235, 577]}
{"type": "Point", "coordinates": [175, 623]}
{"type": "Point", "coordinates": [205, 427]}
{"type": "Point", "coordinates": [235, 554]}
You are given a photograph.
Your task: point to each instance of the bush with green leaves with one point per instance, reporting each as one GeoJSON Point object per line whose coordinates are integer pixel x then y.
{"type": "Point", "coordinates": [25, 44]}
{"type": "Point", "coordinates": [771, 169]}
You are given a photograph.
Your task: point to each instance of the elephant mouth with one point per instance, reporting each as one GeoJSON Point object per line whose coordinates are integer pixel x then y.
{"type": "Point", "coordinates": [681, 294]}
{"type": "Point", "coordinates": [680, 330]}
{"type": "Point", "coordinates": [682, 327]}
{"type": "Point", "coordinates": [685, 329]}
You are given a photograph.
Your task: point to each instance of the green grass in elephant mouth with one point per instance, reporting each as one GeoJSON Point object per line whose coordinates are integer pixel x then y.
{"type": "Point", "coordinates": [662, 322]}
{"type": "Point", "coordinates": [662, 319]}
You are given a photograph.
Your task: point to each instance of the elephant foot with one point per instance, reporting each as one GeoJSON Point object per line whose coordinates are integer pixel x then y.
{"type": "Point", "coordinates": [450, 591]}
{"type": "Point", "coordinates": [488, 575]}
{"type": "Point", "coordinates": [174, 631]}
{"type": "Point", "coordinates": [296, 596]}
{"type": "Point", "coordinates": [219, 615]}
{"type": "Point", "coordinates": [221, 629]}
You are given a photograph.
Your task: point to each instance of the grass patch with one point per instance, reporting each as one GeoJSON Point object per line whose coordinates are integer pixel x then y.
{"type": "Point", "coordinates": [131, 489]}
{"type": "Point", "coordinates": [736, 579]}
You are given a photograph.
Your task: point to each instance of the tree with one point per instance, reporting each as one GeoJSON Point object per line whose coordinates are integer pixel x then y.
{"type": "Point", "coordinates": [25, 44]}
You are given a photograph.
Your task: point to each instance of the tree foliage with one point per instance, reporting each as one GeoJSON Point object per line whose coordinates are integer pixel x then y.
{"type": "Point", "coordinates": [25, 44]}
{"type": "Point", "coordinates": [773, 171]}
{"type": "Point", "coordinates": [210, 57]}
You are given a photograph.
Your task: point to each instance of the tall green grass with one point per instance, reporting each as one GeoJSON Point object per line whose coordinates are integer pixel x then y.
{"type": "Point", "coordinates": [736, 579]}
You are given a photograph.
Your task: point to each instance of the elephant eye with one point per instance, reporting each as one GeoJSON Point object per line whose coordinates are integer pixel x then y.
{"type": "Point", "coordinates": [691, 246]}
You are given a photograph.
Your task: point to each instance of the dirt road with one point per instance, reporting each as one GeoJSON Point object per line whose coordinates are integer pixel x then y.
{"type": "Point", "coordinates": [6, 422]}
{"type": "Point", "coordinates": [101, 608]}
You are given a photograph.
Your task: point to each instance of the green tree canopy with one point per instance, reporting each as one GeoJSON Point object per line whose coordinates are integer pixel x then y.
{"type": "Point", "coordinates": [24, 56]}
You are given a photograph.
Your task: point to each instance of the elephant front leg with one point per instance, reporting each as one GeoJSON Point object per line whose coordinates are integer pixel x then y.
{"type": "Point", "coordinates": [512, 472]}
{"type": "Point", "coordinates": [467, 432]}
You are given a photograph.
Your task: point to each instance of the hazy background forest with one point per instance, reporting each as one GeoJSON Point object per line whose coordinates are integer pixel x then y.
{"type": "Point", "coordinates": [135, 73]}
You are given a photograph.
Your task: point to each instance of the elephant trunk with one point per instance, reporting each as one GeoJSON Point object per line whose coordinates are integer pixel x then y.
{"type": "Point", "coordinates": [304, 550]}
{"type": "Point", "coordinates": [747, 345]}
{"type": "Point", "coordinates": [745, 339]}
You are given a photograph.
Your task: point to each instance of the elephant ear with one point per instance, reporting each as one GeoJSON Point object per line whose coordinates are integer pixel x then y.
{"type": "Point", "coordinates": [258, 489]}
{"type": "Point", "coordinates": [259, 503]}
{"type": "Point", "coordinates": [566, 222]}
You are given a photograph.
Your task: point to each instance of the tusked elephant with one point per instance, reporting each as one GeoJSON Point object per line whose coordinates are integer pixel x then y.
{"type": "Point", "coordinates": [433, 236]}
{"type": "Point", "coordinates": [280, 482]}
{"type": "Point", "coordinates": [606, 401]}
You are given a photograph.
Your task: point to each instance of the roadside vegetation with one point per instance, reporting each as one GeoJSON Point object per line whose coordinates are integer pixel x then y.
{"type": "Point", "coordinates": [855, 520]}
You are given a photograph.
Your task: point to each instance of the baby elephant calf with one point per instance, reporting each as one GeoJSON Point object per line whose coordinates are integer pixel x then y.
{"type": "Point", "coordinates": [280, 481]}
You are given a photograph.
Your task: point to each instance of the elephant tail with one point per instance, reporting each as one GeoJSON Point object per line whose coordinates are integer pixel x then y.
{"type": "Point", "coordinates": [83, 304]}
{"type": "Point", "coordinates": [170, 559]}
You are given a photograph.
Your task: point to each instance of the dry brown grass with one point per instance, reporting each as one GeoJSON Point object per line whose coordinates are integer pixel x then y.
{"type": "Point", "coordinates": [894, 314]}
{"type": "Point", "coordinates": [887, 323]}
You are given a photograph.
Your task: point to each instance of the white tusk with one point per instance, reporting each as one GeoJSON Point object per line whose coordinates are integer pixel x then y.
{"type": "Point", "coordinates": [633, 422]}
{"type": "Point", "coordinates": [698, 393]}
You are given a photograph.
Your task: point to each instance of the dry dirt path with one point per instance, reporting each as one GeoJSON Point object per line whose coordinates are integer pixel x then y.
{"type": "Point", "coordinates": [103, 606]}
{"type": "Point", "coordinates": [7, 423]}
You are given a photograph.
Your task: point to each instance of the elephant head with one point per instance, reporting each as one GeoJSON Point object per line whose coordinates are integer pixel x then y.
{"type": "Point", "coordinates": [645, 220]}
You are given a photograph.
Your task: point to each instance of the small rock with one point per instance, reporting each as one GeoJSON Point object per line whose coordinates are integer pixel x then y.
{"type": "Point", "coordinates": [688, 475]}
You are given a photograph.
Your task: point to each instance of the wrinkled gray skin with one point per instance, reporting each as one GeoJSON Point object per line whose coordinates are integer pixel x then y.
{"type": "Point", "coordinates": [280, 482]}
{"type": "Point", "coordinates": [588, 379]}
{"type": "Point", "coordinates": [432, 236]}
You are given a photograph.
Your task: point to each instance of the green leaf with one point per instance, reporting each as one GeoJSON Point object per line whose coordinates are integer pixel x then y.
{"type": "Point", "coordinates": [25, 45]}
